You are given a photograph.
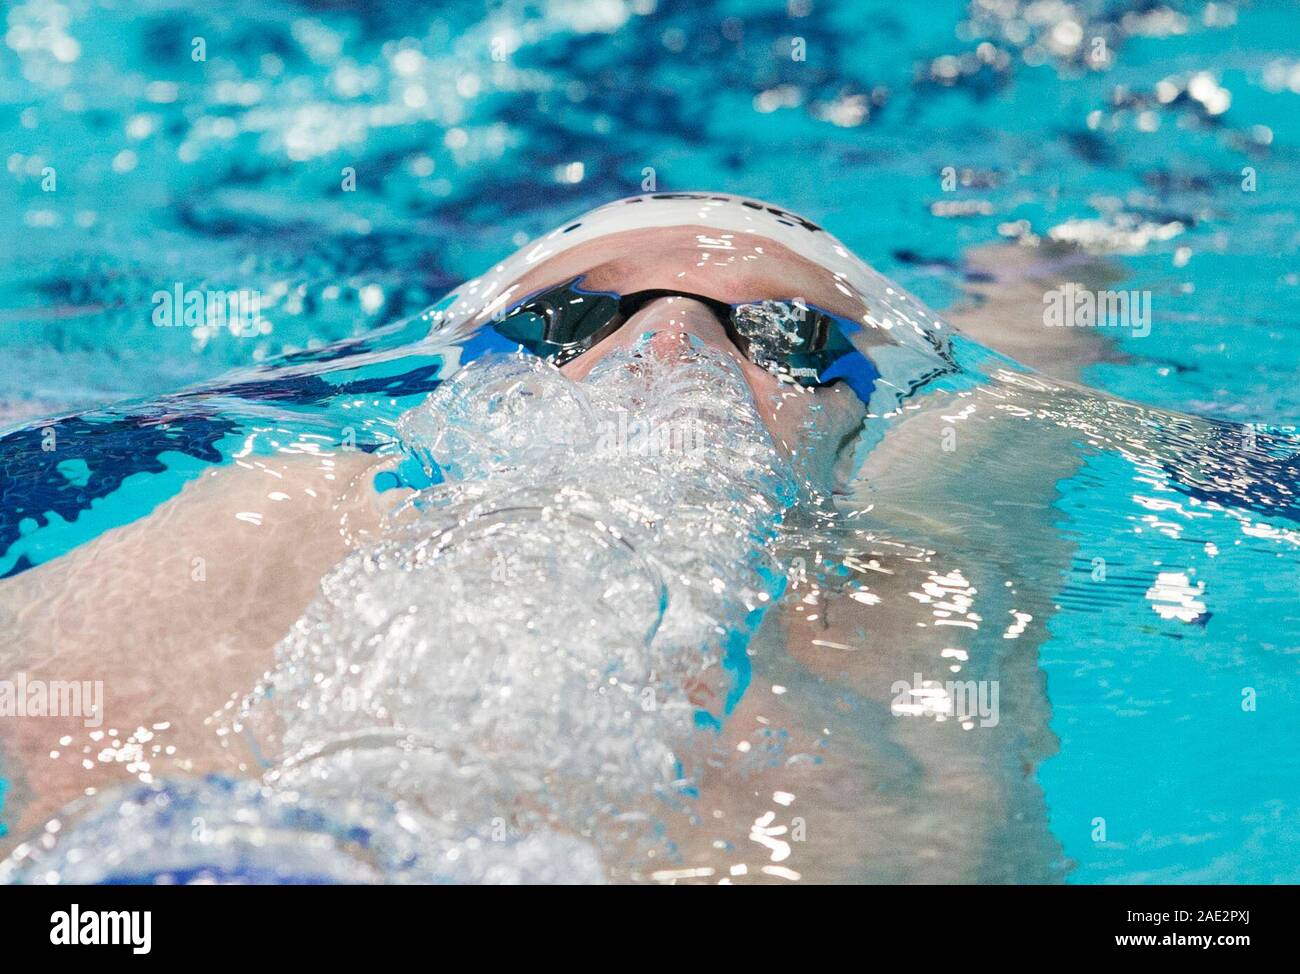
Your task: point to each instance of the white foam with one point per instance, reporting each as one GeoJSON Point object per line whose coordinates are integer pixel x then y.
{"type": "Point", "coordinates": [510, 686]}
{"type": "Point", "coordinates": [523, 648]}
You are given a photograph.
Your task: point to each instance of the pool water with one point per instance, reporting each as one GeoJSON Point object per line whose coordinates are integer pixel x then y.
{"type": "Point", "coordinates": [352, 166]}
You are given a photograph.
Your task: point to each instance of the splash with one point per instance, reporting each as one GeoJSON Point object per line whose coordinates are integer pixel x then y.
{"type": "Point", "coordinates": [529, 664]}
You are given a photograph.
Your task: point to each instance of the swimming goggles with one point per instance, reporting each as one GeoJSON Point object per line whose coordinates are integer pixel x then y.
{"type": "Point", "coordinates": [789, 338]}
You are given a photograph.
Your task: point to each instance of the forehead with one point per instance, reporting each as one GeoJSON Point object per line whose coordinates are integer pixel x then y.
{"type": "Point", "coordinates": [725, 247]}
{"type": "Point", "coordinates": [733, 267]}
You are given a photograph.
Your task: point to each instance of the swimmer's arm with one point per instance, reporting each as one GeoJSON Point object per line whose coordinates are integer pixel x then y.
{"type": "Point", "coordinates": [175, 613]}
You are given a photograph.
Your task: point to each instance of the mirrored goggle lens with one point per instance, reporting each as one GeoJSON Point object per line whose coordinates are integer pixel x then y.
{"type": "Point", "coordinates": [563, 322]}
{"type": "Point", "coordinates": [787, 337]}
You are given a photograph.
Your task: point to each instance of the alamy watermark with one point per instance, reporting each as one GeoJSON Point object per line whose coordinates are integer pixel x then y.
{"type": "Point", "coordinates": [238, 311]}
{"type": "Point", "coordinates": [965, 700]}
{"type": "Point", "coordinates": [634, 436]}
{"type": "Point", "coordinates": [23, 697]}
{"type": "Point", "coordinates": [1075, 306]}
{"type": "Point", "coordinates": [77, 927]}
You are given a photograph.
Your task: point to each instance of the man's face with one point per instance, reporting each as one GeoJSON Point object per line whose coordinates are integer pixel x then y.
{"type": "Point", "coordinates": [724, 250]}
{"type": "Point", "coordinates": [791, 413]}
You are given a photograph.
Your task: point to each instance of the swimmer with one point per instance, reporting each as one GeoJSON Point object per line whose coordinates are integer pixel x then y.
{"type": "Point", "coordinates": [821, 344]}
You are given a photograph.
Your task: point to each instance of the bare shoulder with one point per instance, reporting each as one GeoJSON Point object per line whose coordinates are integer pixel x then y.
{"type": "Point", "coordinates": [170, 616]}
{"type": "Point", "coordinates": [244, 536]}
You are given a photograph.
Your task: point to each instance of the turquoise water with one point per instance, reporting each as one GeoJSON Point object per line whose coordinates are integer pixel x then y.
{"type": "Point", "coordinates": [228, 173]}
{"type": "Point", "coordinates": [1190, 791]}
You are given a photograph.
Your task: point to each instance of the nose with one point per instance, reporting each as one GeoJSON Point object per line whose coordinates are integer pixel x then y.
{"type": "Point", "coordinates": [668, 320]}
